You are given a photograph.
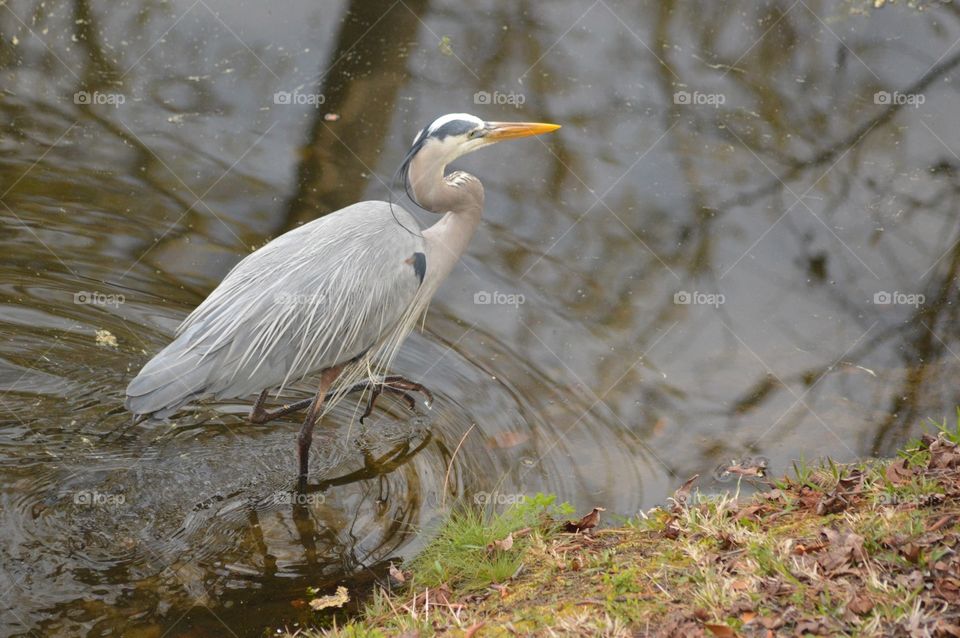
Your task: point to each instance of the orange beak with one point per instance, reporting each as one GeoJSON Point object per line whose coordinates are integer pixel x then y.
{"type": "Point", "coordinates": [508, 130]}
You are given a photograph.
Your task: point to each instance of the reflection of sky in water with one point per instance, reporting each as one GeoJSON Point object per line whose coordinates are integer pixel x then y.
{"type": "Point", "coordinates": [798, 199]}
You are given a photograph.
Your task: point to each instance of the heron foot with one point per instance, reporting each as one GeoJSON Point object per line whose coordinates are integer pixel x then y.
{"type": "Point", "coordinates": [395, 384]}
{"type": "Point", "coordinates": [260, 415]}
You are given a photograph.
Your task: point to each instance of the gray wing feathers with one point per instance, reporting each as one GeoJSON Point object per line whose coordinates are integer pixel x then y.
{"type": "Point", "coordinates": [316, 296]}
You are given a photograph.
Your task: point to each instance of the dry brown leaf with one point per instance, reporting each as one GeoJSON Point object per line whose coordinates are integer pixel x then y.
{"type": "Point", "coordinates": [811, 626]}
{"type": "Point", "coordinates": [948, 589]}
{"type": "Point", "coordinates": [898, 473]}
{"type": "Point", "coordinates": [503, 440]}
{"type": "Point", "coordinates": [910, 551]}
{"type": "Point", "coordinates": [502, 589]}
{"type": "Point", "coordinates": [589, 521]}
{"type": "Point", "coordinates": [504, 545]}
{"type": "Point", "coordinates": [860, 605]}
{"type": "Point", "coordinates": [943, 454]}
{"type": "Point", "coordinates": [682, 496]}
{"type": "Point", "coordinates": [773, 495]}
{"type": "Point", "coordinates": [740, 583]}
{"type": "Point", "coordinates": [945, 628]}
{"type": "Point", "coordinates": [721, 631]}
{"type": "Point", "coordinates": [809, 498]}
{"type": "Point", "coordinates": [844, 547]}
{"type": "Point", "coordinates": [803, 548]}
{"type": "Point", "coordinates": [751, 512]}
{"type": "Point", "coordinates": [774, 621]}
{"type": "Point", "coordinates": [832, 503]}
{"type": "Point", "coordinates": [852, 481]}
{"type": "Point", "coordinates": [756, 467]}
{"type": "Point", "coordinates": [473, 629]}
{"type": "Point", "coordinates": [659, 426]}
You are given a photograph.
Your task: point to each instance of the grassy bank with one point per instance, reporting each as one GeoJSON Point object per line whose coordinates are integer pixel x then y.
{"type": "Point", "coordinates": [861, 550]}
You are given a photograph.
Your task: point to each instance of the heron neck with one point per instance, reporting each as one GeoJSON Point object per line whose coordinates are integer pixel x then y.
{"type": "Point", "coordinates": [459, 198]}
{"type": "Point", "coordinates": [447, 240]}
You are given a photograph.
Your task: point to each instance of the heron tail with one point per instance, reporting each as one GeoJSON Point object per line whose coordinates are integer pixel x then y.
{"type": "Point", "coordinates": [175, 376]}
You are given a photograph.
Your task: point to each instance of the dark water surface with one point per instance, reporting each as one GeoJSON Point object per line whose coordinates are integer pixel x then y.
{"type": "Point", "coordinates": [789, 168]}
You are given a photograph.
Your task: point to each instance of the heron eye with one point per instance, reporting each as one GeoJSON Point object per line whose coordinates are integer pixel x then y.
{"type": "Point", "coordinates": [473, 133]}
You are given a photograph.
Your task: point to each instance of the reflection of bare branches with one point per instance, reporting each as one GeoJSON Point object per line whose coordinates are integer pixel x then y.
{"type": "Point", "coordinates": [779, 113]}
{"type": "Point", "coordinates": [830, 153]}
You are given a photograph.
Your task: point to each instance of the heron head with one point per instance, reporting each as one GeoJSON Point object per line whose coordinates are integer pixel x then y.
{"type": "Point", "coordinates": [454, 135]}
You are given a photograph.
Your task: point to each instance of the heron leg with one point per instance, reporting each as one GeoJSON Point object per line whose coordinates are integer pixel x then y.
{"type": "Point", "coordinates": [305, 437]}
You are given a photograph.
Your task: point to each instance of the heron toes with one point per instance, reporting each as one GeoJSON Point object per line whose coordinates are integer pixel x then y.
{"type": "Point", "coordinates": [396, 385]}
{"type": "Point", "coordinates": [375, 393]}
{"type": "Point", "coordinates": [397, 382]}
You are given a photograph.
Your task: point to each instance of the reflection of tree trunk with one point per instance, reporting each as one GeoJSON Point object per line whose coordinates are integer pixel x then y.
{"type": "Point", "coordinates": [368, 66]}
{"type": "Point", "coordinates": [100, 70]}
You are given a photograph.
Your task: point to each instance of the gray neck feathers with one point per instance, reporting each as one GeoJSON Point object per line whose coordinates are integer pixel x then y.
{"type": "Point", "coordinates": [459, 198]}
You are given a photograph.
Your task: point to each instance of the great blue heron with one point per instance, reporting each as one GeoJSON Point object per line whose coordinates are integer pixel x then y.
{"type": "Point", "coordinates": [335, 296]}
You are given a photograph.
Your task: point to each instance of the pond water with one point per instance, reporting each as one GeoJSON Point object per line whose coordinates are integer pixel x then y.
{"type": "Point", "coordinates": [742, 243]}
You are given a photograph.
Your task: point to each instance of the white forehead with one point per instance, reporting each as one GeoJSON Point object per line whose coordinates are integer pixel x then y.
{"type": "Point", "coordinates": [450, 117]}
